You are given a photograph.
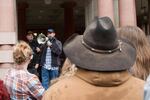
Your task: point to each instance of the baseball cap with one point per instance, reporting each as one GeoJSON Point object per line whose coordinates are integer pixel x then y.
{"type": "Point", "coordinates": [50, 30]}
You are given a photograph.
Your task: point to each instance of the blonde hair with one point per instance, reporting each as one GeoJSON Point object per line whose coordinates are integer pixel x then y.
{"type": "Point", "coordinates": [137, 37]}
{"type": "Point", "coordinates": [22, 52]}
{"type": "Point", "coordinates": [68, 70]}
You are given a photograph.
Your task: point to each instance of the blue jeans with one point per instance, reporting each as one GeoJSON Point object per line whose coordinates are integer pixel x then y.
{"type": "Point", "coordinates": [47, 76]}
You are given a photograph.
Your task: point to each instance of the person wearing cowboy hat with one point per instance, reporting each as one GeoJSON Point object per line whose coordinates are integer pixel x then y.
{"type": "Point", "coordinates": [103, 61]}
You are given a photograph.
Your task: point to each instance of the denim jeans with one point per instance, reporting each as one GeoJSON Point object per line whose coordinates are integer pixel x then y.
{"type": "Point", "coordinates": [47, 76]}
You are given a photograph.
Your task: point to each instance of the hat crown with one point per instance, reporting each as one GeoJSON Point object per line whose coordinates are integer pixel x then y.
{"type": "Point", "coordinates": [101, 34]}
{"type": "Point", "coordinates": [98, 49]}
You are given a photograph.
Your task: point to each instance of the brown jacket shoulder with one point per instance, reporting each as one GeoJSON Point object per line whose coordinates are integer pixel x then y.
{"type": "Point", "coordinates": [87, 85]}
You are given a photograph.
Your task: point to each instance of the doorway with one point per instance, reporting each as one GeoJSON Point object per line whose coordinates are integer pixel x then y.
{"type": "Point", "coordinates": [39, 15]}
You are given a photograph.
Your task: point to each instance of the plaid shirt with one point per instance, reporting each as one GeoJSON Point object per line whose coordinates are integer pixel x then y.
{"type": "Point", "coordinates": [22, 85]}
{"type": "Point", "coordinates": [48, 60]}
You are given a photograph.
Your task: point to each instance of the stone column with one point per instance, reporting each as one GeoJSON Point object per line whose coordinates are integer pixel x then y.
{"type": "Point", "coordinates": [8, 36]}
{"type": "Point", "coordinates": [106, 8]}
{"type": "Point", "coordinates": [127, 13]}
{"type": "Point", "coordinates": [91, 10]}
{"type": "Point", "coordinates": [116, 14]}
{"type": "Point", "coordinates": [149, 17]}
{"type": "Point", "coordinates": [21, 12]}
{"type": "Point", "coordinates": [69, 23]}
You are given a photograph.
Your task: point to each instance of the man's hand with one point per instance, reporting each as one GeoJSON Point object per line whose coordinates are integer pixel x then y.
{"type": "Point", "coordinates": [38, 49]}
{"type": "Point", "coordinates": [49, 43]}
{"type": "Point", "coordinates": [36, 66]}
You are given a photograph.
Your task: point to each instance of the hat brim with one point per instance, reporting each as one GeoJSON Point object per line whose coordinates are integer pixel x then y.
{"type": "Point", "coordinates": [87, 59]}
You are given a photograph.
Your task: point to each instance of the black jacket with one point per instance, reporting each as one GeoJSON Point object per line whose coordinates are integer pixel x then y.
{"type": "Point", "coordinates": [36, 56]}
{"type": "Point", "coordinates": [56, 51]}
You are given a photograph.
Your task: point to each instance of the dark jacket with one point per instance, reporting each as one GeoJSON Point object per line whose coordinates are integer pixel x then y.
{"type": "Point", "coordinates": [56, 51]}
{"type": "Point", "coordinates": [36, 56]}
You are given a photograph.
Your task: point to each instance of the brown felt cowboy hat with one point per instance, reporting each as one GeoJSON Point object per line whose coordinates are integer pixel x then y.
{"type": "Point", "coordinates": [99, 48]}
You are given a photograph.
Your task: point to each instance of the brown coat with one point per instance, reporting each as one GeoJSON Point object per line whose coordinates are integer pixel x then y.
{"type": "Point", "coordinates": [87, 85]}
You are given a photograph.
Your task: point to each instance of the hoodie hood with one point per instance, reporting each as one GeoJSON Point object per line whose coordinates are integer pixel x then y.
{"type": "Point", "coordinates": [105, 79]}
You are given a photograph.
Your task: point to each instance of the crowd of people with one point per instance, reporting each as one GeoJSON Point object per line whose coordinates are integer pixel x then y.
{"type": "Point", "coordinates": [105, 63]}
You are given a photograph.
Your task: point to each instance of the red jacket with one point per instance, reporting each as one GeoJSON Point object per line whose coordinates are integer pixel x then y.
{"type": "Point", "coordinates": [4, 95]}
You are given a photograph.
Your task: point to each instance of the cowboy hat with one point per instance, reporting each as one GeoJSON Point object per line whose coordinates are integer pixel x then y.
{"type": "Point", "coordinates": [99, 48]}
